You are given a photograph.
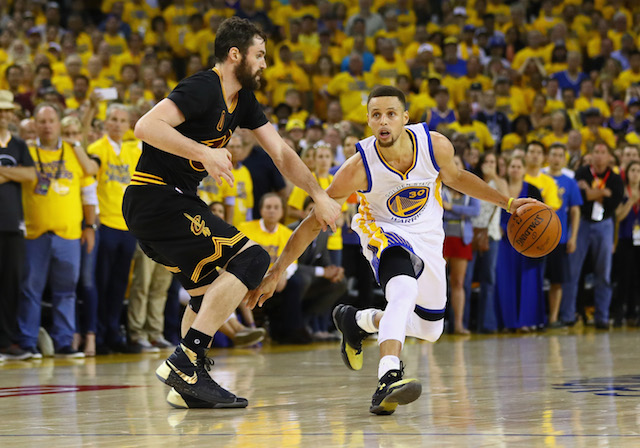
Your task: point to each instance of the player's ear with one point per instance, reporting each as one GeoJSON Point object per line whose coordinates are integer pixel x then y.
{"type": "Point", "coordinates": [405, 114]}
{"type": "Point", "coordinates": [234, 54]}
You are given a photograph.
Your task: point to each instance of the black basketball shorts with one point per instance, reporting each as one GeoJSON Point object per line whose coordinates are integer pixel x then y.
{"type": "Point", "coordinates": [179, 231]}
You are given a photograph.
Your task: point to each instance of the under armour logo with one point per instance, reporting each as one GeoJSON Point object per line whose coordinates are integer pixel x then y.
{"type": "Point", "coordinates": [197, 341]}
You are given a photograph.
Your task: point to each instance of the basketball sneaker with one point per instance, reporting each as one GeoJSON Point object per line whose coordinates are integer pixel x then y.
{"type": "Point", "coordinates": [393, 390]}
{"type": "Point", "coordinates": [344, 317]}
{"type": "Point", "coordinates": [184, 401]}
{"type": "Point", "coordinates": [189, 375]}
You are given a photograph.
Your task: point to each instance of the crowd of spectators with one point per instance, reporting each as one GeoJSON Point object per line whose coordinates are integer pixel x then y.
{"type": "Point", "coordinates": [540, 98]}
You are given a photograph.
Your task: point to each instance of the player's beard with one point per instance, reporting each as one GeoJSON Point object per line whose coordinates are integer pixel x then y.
{"type": "Point", "coordinates": [247, 79]}
{"type": "Point", "coordinates": [387, 144]}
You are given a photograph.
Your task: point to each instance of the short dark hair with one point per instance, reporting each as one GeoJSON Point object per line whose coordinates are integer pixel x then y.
{"type": "Point", "coordinates": [387, 91]}
{"type": "Point", "coordinates": [235, 32]}
{"type": "Point", "coordinates": [557, 145]}
{"type": "Point", "coordinates": [536, 143]}
{"type": "Point", "coordinates": [86, 78]}
{"type": "Point", "coordinates": [11, 67]}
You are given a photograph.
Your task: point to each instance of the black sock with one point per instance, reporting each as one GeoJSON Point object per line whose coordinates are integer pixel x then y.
{"type": "Point", "coordinates": [197, 341]}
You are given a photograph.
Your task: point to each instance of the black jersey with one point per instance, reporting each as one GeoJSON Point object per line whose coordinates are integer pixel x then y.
{"type": "Point", "coordinates": [208, 120]}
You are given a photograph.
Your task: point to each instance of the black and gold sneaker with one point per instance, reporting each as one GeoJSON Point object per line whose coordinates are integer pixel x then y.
{"type": "Point", "coordinates": [344, 317]}
{"type": "Point", "coordinates": [189, 376]}
{"type": "Point", "coordinates": [393, 390]}
{"type": "Point", "coordinates": [184, 401]}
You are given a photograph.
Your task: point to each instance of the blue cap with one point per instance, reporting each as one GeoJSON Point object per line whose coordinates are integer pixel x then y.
{"type": "Point", "coordinates": [469, 27]}
{"type": "Point", "coordinates": [497, 41]}
{"type": "Point", "coordinates": [314, 122]}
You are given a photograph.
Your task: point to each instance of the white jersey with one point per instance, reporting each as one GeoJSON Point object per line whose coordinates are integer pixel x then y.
{"type": "Point", "coordinates": [410, 200]}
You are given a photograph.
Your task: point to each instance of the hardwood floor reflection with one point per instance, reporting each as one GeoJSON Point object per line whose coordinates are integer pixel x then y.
{"type": "Point", "coordinates": [573, 389]}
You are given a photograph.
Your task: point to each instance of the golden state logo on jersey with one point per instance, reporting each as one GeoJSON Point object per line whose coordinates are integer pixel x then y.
{"type": "Point", "coordinates": [408, 201]}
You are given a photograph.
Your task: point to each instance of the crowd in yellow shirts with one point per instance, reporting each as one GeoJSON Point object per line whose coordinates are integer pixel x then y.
{"type": "Point", "coordinates": [494, 76]}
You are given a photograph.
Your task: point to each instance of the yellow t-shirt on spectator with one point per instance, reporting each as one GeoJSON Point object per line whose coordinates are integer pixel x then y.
{"type": "Point", "coordinates": [548, 188]}
{"type": "Point", "coordinates": [353, 93]}
{"type": "Point", "coordinates": [528, 52]}
{"type": "Point", "coordinates": [117, 43]}
{"type": "Point", "coordinates": [583, 104]}
{"type": "Point", "coordinates": [632, 138]}
{"type": "Point", "coordinates": [626, 78]}
{"type": "Point", "coordinates": [602, 133]}
{"type": "Point", "coordinates": [139, 16]}
{"type": "Point", "coordinates": [273, 243]}
{"type": "Point", "coordinates": [113, 177]}
{"type": "Point", "coordinates": [551, 138]}
{"type": "Point", "coordinates": [244, 199]}
{"type": "Point", "coordinates": [178, 16]}
{"type": "Point", "coordinates": [478, 133]}
{"type": "Point", "coordinates": [209, 191]}
{"type": "Point", "coordinates": [384, 72]}
{"type": "Point", "coordinates": [281, 77]}
{"type": "Point", "coordinates": [297, 198]}
{"type": "Point", "coordinates": [510, 141]}
{"type": "Point", "coordinates": [418, 103]}
{"type": "Point", "coordinates": [59, 210]}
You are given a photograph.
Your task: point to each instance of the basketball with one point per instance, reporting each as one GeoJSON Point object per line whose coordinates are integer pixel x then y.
{"type": "Point", "coordinates": [536, 232]}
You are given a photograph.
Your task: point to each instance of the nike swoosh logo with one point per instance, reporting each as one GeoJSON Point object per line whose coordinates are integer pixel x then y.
{"type": "Point", "coordinates": [193, 379]}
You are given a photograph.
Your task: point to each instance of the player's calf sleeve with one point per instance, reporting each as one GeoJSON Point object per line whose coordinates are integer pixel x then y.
{"type": "Point", "coordinates": [401, 293]}
{"type": "Point", "coordinates": [250, 265]}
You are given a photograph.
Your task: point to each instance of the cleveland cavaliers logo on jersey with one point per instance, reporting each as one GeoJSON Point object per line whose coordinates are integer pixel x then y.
{"type": "Point", "coordinates": [213, 143]}
{"type": "Point", "coordinates": [220, 126]}
{"type": "Point", "coordinates": [408, 202]}
{"type": "Point", "coordinates": [198, 226]}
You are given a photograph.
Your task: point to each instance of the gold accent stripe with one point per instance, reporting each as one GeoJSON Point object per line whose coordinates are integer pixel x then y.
{"type": "Point", "coordinates": [136, 178]}
{"type": "Point", "coordinates": [174, 269]}
{"type": "Point", "coordinates": [217, 253]}
{"type": "Point", "coordinates": [369, 227]}
{"type": "Point", "coordinates": [438, 194]}
{"type": "Point", "coordinates": [150, 176]}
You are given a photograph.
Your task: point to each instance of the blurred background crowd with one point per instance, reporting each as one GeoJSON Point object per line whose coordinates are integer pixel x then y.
{"type": "Point", "coordinates": [540, 98]}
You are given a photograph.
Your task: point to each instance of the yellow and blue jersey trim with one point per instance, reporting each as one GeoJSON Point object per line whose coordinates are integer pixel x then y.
{"type": "Point", "coordinates": [366, 167]}
{"type": "Point", "coordinates": [430, 144]}
{"type": "Point", "coordinates": [414, 143]}
{"type": "Point", "coordinates": [379, 240]}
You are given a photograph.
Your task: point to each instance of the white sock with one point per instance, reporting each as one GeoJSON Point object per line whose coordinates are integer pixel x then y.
{"type": "Point", "coordinates": [387, 363]}
{"type": "Point", "coordinates": [366, 320]}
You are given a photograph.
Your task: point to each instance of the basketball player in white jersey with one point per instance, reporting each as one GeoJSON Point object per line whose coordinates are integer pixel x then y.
{"type": "Point", "coordinates": [398, 174]}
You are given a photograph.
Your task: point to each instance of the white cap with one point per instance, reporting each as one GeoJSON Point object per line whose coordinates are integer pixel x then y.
{"type": "Point", "coordinates": [460, 11]}
{"type": "Point", "coordinates": [425, 47]}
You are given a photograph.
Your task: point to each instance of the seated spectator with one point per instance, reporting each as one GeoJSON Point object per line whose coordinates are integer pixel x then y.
{"type": "Point", "coordinates": [323, 281]}
{"type": "Point", "coordinates": [286, 325]}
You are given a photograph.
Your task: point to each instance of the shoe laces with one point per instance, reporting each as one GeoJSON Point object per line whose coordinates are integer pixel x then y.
{"type": "Point", "coordinates": [205, 363]}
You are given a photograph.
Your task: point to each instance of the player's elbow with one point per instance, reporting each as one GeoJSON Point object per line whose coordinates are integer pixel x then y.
{"type": "Point", "coordinates": [140, 129]}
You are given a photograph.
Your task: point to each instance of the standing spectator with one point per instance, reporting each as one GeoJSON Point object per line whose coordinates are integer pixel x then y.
{"type": "Point", "coordinates": [486, 258]}
{"type": "Point", "coordinates": [477, 132]}
{"type": "Point", "coordinates": [147, 297]}
{"type": "Point", "coordinates": [628, 250]}
{"type": "Point", "coordinates": [441, 114]}
{"type": "Point", "coordinates": [53, 216]}
{"type": "Point", "coordinates": [602, 191]}
{"type": "Point", "coordinates": [116, 246]}
{"type": "Point", "coordinates": [243, 209]}
{"type": "Point", "coordinates": [534, 159]}
{"type": "Point", "coordinates": [373, 21]}
{"type": "Point", "coordinates": [458, 209]}
{"type": "Point", "coordinates": [519, 292]}
{"type": "Point", "coordinates": [16, 168]}
{"type": "Point", "coordinates": [569, 214]}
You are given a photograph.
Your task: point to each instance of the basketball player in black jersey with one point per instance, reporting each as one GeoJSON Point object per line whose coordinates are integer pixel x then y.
{"type": "Point", "coordinates": [183, 139]}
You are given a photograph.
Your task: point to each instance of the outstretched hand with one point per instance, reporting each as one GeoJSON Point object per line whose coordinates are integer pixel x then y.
{"type": "Point", "coordinates": [217, 162]}
{"type": "Point", "coordinates": [263, 292]}
{"type": "Point", "coordinates": [517, 205]}
{"type": "Point", "coordinates": [327, 211]}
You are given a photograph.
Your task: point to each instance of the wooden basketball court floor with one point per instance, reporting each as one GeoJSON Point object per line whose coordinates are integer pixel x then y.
{"type": "Point", "coordinates": [577, 388]}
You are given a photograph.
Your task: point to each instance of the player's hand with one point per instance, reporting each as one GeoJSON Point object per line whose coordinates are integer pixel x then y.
{"type": "Point", "coordinates": [263, 292]}
{"type": "Point", "coordinates": [327, 211]}
{"type": "Point", "coordinates": [516, 205]}
{"type": "Point", "coordinates": [217, 162]}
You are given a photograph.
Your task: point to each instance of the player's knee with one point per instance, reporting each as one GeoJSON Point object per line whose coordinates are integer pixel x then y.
{"type": "Point", "coordinates": [429, 323]}
{"type": "Point", "coordinates": [250, 265]}
{"type": "Point", "coordinates": [196, 302]}
{"type": "Point", "coordinates": [430, 330]}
